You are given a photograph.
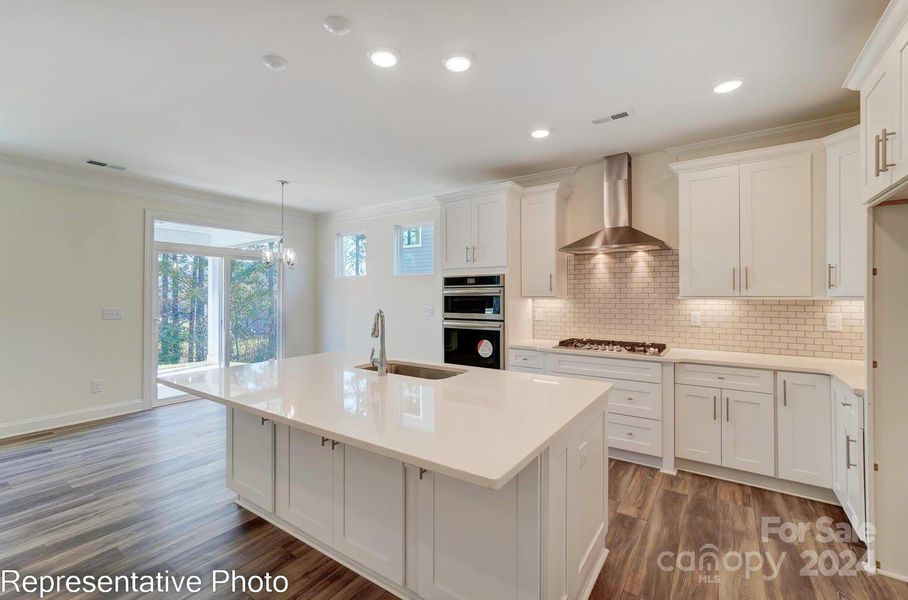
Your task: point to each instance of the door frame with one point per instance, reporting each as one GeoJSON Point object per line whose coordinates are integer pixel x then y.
{"type": "Point", "coordinates": [150, 300]}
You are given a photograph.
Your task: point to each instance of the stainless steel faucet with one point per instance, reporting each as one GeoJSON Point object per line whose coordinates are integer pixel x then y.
{"type": "Point", "coordinates": [378, 331]}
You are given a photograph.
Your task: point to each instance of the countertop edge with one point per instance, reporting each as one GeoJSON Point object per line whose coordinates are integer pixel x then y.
{"type": "Point", "coordinates": [486, 482]}
{"type": "Point", "coordinates": [668, 358]}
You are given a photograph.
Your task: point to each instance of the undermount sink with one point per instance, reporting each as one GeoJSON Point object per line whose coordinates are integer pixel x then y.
{"type": "Point", "coordinates": [415, 370]}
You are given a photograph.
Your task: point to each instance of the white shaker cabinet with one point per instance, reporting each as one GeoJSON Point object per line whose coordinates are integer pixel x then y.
{"type": "Point", "coordinates": [746, 223]}
{"type": "Point", "coordinates": [708, 235]}
{"type": "Point", "coordinates": [748, 424]}
{"type": "Point", "coordinates": [776, 241]}
{"type": "Point", "coordinates": [846, 217]}
{"type": "Point", "coordinates": [346, 498]}
{"type": "Point", "coordinates": [848, 459]}
{"type": "Point", "coordinates": [698, 424]}
{"type": "Point", "coordinates": [457, 227]}
{"type": "Point", "coordinates": [250, 457]}
{"type": "Point", "coordinates": [543, 267]}
{"type": "Point", "coordinates": [476, 226]}
{"type": "Point", "coordinates": [879, 119]}
{"type": "Point", "coordinates": [804, 428]}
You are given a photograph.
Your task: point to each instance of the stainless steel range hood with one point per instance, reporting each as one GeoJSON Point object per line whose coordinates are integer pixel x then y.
{"type": "Point", "coordinates": [617, 235]}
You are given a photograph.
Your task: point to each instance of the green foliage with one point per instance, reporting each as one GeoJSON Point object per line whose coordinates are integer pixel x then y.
{"type": "Point", "coordinates": [253, 315]}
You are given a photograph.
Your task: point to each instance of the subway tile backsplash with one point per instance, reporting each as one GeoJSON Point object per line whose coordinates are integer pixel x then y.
{"type": "Point", "coordinates": [634, 296]}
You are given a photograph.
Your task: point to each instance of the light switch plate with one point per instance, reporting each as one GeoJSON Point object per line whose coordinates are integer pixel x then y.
{"type": "Point", "coordinates": [695, 319]}
{"type": "Point", "coordinates": [428, 311]}
{"type": "Point", "coordinates": [111, 314]}
{"type": "Point", "coordinates": [96, 386]}
{"type": "Point", "coordinates": [538, 314]}
{"type": "Point", "coordinates": [833, 321]}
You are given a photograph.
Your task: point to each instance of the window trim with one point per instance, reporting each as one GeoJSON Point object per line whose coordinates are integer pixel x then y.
{"type": "Point", "coordinates": [339, 272]}
{"type": "Point", "coordinates": [398, 247]}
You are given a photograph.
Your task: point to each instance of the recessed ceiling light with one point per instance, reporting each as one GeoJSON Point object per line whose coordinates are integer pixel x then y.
{"type": "Point", "coordinates": [458, 62]}
{"type": "Point", "coordinates": [540, 133]}
{"type": "Point", "coordinates": [337, 25]}
{"type": "Point", "coordinates": [383, 57]}
{"type": "Point", "coordinates": [728, 86]}
{"type": "Point", "coordinates": [274, 62]}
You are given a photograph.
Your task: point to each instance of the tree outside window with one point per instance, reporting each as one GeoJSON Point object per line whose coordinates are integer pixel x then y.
{"type": "Point", "coordinates": [411, 238]}
{"type": "Point", "coordinates": [351, 251]}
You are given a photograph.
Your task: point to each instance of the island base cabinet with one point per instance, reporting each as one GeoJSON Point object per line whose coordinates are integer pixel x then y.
{"type": "Point", "coordinates": [250, 457]}
{"type": "Point", "coordinates": [346, 498]}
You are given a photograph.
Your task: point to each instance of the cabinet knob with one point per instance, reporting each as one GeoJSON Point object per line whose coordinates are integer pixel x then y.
{"type": "Point", "coordinates": [630, 434]}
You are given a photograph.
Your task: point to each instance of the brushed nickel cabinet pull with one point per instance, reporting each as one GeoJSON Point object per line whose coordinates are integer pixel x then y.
{"type": "Point", "coordinates": [829, 276]}
{"type": "Point", "coordinates": [746, 278]}
{"type": "Point", "coordinates": [785, 392]}
{"type": "Point", "coordinates": [727, 410]}
{"type": "Point", "coordinates": [422, 472]}
{"type": "Point", "coordinates": [885, 145]}
{"type": "Point", "coordinates": [876, 156]}
{"type": "Point", "coordinates": [715, 408]}
{"type": "Point", "coordinates": [467, 253]}
{"type": "Point", "coordinates": [734, 278]}
{"type": "Point", "coordinates": [848, 441]}
{"type": "Point", "coordinates": [550, 282]}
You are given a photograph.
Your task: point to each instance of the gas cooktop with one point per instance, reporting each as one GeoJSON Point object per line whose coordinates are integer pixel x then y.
{"type": "Point", "coordinates": [613, 346]}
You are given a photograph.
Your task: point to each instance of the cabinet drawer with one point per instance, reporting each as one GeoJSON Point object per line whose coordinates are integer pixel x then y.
{"type": "Point", "coordinates": [609, 368]}
{"type": "Point", "coordinates": [525, 359]}
{"type": "Point", "coordinates": [728, 378]}
{"type": "Point", "coordinates": [635, 399]}
{"type": "Point", "coordinates": [635, 434]}
{"type": "Point", "coordinates": [851, 407]}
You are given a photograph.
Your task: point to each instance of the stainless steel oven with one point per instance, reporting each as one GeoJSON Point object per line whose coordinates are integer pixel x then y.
{"type": "Point", "coordinates": [479, 297]}
{"type": "Point", "coordinates": [474, 320]}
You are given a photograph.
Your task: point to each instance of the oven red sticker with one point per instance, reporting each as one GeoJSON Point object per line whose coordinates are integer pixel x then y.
{"type": "Point", "coordinates": [484, 348]}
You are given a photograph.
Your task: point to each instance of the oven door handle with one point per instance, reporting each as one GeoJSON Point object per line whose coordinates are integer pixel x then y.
{"type": "Point", "coordinates": [473, 291]}
{"type": "Point", "coordinates": [473, 325]}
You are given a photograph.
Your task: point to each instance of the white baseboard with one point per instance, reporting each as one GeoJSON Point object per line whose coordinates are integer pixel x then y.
{"type": "Point", "coordinates": [897, 576]}
{"type": "Point", "coordinates": [635, 457]}
{"type": "Point", "coordinates": [75, 417]}
{"type": "Point", "coordinates": [173, 400]}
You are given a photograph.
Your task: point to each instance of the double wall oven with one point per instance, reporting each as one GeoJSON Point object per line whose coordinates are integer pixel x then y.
{"type": "Point", "coordinates": [474, 320]}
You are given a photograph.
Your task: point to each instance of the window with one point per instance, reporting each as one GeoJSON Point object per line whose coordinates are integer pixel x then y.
{"type": "Point", "coordinates": [351, 255]}
{"type": "Point", "coordinates": [415, 248]}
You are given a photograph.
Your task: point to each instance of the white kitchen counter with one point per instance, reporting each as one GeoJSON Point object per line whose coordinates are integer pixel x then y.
{"type": "Point", "coordinates": [482, 426]}
{"type": "Point", "coordinates": [850, 372]}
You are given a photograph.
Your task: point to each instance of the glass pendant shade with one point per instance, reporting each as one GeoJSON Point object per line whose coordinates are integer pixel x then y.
{"type": "Point", "coordinates": [271, 256]}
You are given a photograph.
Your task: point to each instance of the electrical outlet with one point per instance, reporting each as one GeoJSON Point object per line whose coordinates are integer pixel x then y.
{"type": "Point", "coordinates": [538, 314]}
{"type": "Point", "coordinates": [96, 386]}
{"type": "Point", "coordinates": [833, 321]}
{"type": "Point", "coordinates": [111, 314]}
{"type": "Point", "coordinates": [695, 319]}
{"type": "Point", "coordinates": [428, 311]}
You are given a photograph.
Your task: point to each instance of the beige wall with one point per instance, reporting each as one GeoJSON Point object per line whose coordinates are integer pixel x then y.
{"type": "Point", "coordinates": [347, 305]}
{"type": "Point", "coordinates": [66, 251]}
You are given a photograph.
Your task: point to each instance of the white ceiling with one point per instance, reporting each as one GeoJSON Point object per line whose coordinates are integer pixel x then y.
{"type": "Point", "coordinates": [176, 90]}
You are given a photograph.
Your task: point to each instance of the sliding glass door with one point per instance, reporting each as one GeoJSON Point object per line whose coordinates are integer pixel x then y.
{"type": "Point", "coordinates": [215, 305]}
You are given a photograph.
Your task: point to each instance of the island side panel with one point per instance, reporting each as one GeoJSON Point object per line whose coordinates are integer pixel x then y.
{"type": "Point", "coordinates": [575, 511]}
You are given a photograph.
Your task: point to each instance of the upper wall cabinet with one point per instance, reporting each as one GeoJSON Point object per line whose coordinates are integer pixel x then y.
{"type": "Point", "coordinates": [543, 267]}
{"type": "Point", "coordinates": [746, 223]}
{"type": "Point", "coordinates": [475, 227]}
{"type": "Point", "coordinates": [846, 217]}
{"type": "Point", "coordinates": [881, 76]}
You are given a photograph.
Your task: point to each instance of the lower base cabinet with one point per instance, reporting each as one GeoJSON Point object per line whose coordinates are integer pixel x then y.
{"type": "Point", "coordinates": [848, 469]}
{"type": "Point", "coordinates": [729, 428]}
{"type": "Point", "coordinates": [805, 428]}
{"type": "Point", "coordinates": [347, 498]}
{"type": "Point", "coordinates": [250, 457]}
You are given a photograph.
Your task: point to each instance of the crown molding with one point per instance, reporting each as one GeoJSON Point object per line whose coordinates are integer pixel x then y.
{"type": "Point", "coordinates": [41, 171]}
{"type": "Point", "coordinates": [890, 24]}
{"type": "Point", "coordinates": [842, 120]}
{"type": "Point", "coordinates": [747, 156]}
{"type": "Point", "coordinates": [485, 189]}
{"type": "Point", "coordinates": [378, 210]}
{"type": "Point", "coordinates": [563, 176]}
{"type": "Point", "coordinates": [842, 137]}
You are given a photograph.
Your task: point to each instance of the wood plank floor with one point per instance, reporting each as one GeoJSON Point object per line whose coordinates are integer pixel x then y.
{"type": "Point", "coordinates": [146, 493]}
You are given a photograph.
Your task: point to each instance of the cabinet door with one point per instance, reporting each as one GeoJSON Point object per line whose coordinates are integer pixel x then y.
{"type": "Point", "coordinates": [457, 225]}
{"type": "Point", "coordinates": [369, 510]}
{"type": "Point", "coordinates": [846, 223]}
{"type": "Point", "coordinates": [748, 432]}
{"type": "Point", "coordinates": [466, 540]}
{"type": "Point", "coordinates": [490, 232]}
{"type": "Point", "coordinates": [709, 240]}
{"type": "Point", "coordinates": [698, 429]}
{"type": "Point", "coordinates": [839, 453]}
{"type": "Point", "coordinates": [776, 224]}
{"type": "Point", "coordinates": [854, 476]}
{"type": "Point", "coordinates": [304, 486]}
{"type": "Point", "coordinates": [805, 428]}
{"type": "Point", "coordinates": [250, 457]}
{"type": "Point", "coordinates": [538, 246]}
{"type": "Point", "coordinates": [879, 112]}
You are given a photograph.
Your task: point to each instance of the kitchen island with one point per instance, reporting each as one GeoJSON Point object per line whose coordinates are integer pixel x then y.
{"type": "Point", "coordinates": [485, 484]}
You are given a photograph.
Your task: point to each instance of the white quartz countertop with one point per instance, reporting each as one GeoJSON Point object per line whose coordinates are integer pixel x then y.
{"type": "Point", "coordinates": [850, 372]}
{"type": "Point", "coordinates": [482, 426]}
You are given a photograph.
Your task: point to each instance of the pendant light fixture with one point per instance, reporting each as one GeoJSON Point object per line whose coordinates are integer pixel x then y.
{"type": "Point", "coordinates": [270, 255]}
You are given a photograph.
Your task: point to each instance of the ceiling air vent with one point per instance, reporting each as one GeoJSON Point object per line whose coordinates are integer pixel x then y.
{"type": "Point", "coordinates": [612, 117]}
{"type": "Point", "coordinates": [98, 163]}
